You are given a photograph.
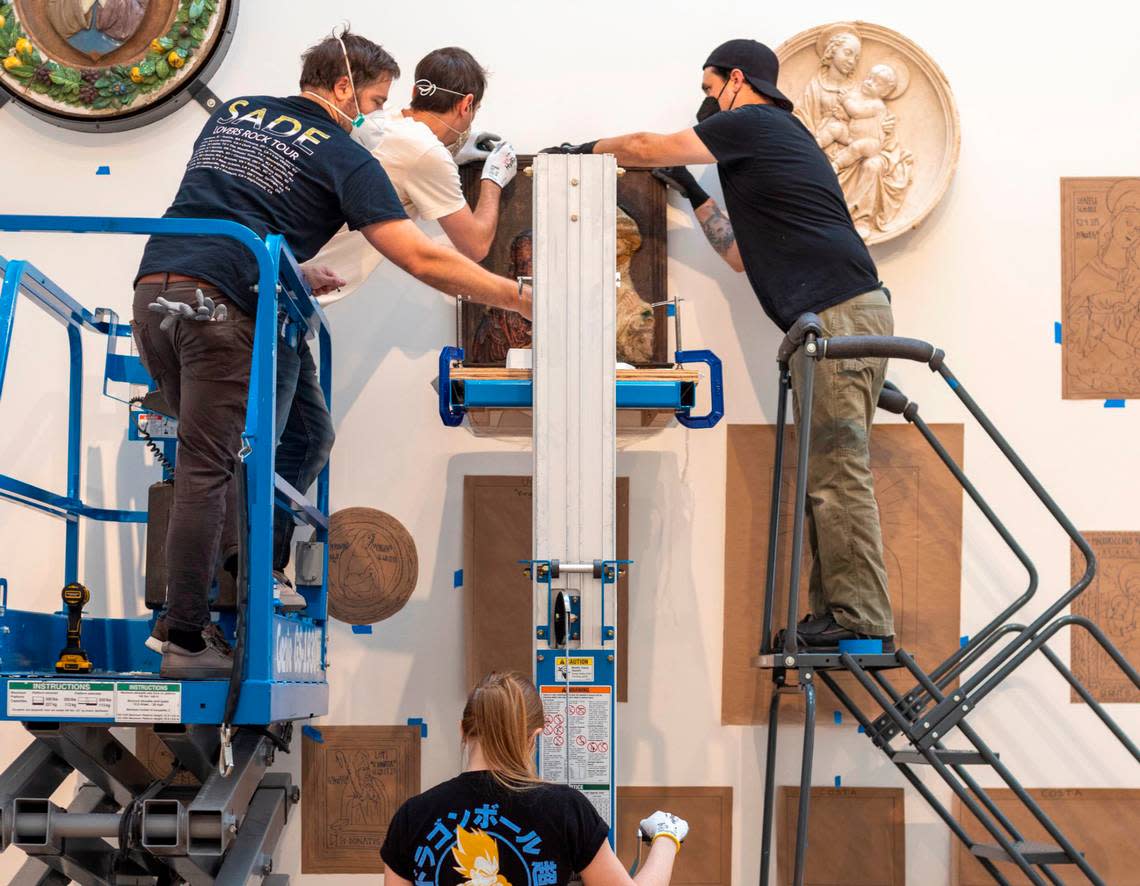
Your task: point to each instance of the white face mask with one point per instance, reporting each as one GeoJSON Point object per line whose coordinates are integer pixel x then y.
{"type": "Point", "coordinates": [369, 134]}
{"type": "Point", "coordinates": [426, 87]}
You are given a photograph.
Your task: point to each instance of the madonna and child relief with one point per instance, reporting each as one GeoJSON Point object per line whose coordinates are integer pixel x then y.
{"type": "Point", "coordinates": [882, 112]}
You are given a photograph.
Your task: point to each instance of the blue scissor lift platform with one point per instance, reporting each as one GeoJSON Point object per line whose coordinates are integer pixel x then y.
{"type": "Point", "coordinates": [224, 732]}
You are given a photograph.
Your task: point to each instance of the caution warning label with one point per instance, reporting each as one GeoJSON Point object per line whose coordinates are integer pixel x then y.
{"type": "Point", "coordinates": [574, 669]}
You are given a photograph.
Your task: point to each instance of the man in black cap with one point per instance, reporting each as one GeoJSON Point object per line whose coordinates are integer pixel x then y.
{"type": "Point", "coordinates": [789, 229]}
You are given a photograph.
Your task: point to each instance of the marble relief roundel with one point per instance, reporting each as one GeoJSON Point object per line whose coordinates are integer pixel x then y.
{"type": "Point", "coordinates": [882, 111]}
{"type": "Point", "coordinates": [108, 64]}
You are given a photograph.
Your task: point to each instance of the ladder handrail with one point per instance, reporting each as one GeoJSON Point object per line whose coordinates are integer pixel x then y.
{"type": "Point", "coordinates": [854, 346]}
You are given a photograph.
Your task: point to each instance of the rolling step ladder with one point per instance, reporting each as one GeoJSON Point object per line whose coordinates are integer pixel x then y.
{"type": "Point", "coordinates": [911, 728]}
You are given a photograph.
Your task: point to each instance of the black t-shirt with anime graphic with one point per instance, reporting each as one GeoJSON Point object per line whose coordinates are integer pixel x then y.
{"type": "Point", "coordinates": [473, 831]}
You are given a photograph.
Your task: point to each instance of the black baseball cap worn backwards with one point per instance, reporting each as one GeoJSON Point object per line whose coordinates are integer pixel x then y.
{"type": "Point", "coordinates": [756, 61]}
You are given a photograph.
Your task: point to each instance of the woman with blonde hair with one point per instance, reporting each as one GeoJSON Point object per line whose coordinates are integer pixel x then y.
{"type": "Point", "coordinates": [499, 824]}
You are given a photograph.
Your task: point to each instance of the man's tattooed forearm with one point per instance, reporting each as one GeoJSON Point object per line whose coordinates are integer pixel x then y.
{"type": "Point", "coordinates": [718, 230]}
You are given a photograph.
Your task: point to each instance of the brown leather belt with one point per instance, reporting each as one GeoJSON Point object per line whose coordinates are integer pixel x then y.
{"type": "Point", "coordinates": [167, 279]}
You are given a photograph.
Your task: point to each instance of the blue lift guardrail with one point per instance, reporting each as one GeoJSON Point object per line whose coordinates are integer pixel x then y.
{"type": "Point", "coordinates": [284, 675]}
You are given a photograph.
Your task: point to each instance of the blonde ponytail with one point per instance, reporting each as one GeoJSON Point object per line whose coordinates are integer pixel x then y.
{"type": "Point", "coordinates": [502, 713]}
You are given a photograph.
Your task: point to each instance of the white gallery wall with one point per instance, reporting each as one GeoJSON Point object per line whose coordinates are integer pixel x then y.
{"type": "Point", "coordinates": [1041, 95]}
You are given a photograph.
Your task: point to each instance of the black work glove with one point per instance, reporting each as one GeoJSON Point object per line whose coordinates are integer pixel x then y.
{"type": "Point", "coordinates": [682, 181]}
{"type": "Point", "coordinates": [567, 148]}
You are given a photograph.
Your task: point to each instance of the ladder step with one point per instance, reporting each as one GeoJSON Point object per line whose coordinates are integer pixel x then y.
{"type": "Point", "coordinates": [949, 757]}
{"type": "Point", "coordinates": [1034, 853]}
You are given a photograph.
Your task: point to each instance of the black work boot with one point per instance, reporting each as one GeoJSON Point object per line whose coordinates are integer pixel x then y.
{"type": "Point", "coordinates": [824, 632]}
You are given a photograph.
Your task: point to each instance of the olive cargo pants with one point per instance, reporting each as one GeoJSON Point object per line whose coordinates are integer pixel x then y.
{"type": "Point", "coordinates": [847, 573]}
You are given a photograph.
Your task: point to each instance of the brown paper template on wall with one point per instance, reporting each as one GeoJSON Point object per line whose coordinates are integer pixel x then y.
{"type": "Point", "coordinates": [856, 836]}
{"type": "Point", "coordinates": [1100, 822]}
{"type": "Point", "coordinates": [1100, 288]}
{"type": "Point", "coordinates": [373, 565]}
{"type": "Point", "coordinates": [353, 781]}
{"type": "Point", "coordinates": [641, 260]}
{"type": "Point", "coordinates": [920, 506]}
{"type": "Point", "coordinates": [498, 608]}
{"type": "Point", "coordinates": [707, 857]}
{"type": "Point", "coordinates": [1112, 601]}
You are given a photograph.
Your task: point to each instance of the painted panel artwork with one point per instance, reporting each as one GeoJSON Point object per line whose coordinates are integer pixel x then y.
{"type": "Point", "coordinates": [1100, 288]}
{"type": "Point", "coordinates": [354, 778]}
{"type": "Point", "coordinates": [641, 330]}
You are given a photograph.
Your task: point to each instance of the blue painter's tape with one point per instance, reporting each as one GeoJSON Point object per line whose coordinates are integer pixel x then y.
{"type": "Point", "coordinates": [419, 721]}
{"type": "Point", "coordinates": [362, 629]}
{"type": "Point", "coordinates": [457, 579]}
{"type": "Point", "coordinates": [1057, 332]}
{"type": "Point", "coordinates": [838, 717]}
{"type": "Point", "coordinates": [964, 641]}
{"type": "Point", "coordinates": [861, 647]}
{"type": "Point", "coordinates": [671, 309]}
{"type": "Point", "coordinates": [839, 781]}
{"type": "Point", "coordinates": [103, 170]}
{"type": "Point", "coordinates": [862, 731]}
{"type": "Point", "coordinates": [1113, 404]}
{"type": "Point", "coordinates": [312, 732]}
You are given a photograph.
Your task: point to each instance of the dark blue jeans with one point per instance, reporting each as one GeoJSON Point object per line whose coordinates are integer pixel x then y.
{"type": "Point", "coordinates": [304, 434]}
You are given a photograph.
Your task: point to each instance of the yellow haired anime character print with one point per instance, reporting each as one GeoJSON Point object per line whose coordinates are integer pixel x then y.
{"type": "Point", "coordinates": [476, 857]}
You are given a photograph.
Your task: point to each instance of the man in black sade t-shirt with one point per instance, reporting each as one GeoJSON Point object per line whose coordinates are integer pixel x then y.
{"type": "Point", "coordinates": [788, 228]}
{"type": "Point", "coordinates": [289, 166]}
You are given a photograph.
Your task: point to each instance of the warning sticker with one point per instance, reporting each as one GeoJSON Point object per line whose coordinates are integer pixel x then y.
{"type": "Point", "coordinates": [72, 699]}
{"type": "Point", "coordinates": [576, 670]}
{"type": "Point", "coordinates": [576, 739]}
{"type": "Point", "coordinates": [148, 702]}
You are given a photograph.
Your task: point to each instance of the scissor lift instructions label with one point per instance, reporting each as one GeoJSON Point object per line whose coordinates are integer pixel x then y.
{"type": "Point", "coordinates": [126, 702]}
{"type": "Point", "coordinates": [145, 702]}
{"type": "Point", "coordinates": [576, 740]}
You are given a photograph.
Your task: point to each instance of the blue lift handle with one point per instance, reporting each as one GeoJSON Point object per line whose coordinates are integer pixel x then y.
{"type": "Point", "coordinates": [716, 382]}
{"type": "Point", "coordinates": [450, 415]}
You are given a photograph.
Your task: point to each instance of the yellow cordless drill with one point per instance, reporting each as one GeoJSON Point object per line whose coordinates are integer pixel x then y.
{"type": "Point", "coordinates": [72, 658]}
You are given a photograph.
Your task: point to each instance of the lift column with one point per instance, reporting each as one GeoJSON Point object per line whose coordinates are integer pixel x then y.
{"type": "Point", "coordinates": [575, 574]}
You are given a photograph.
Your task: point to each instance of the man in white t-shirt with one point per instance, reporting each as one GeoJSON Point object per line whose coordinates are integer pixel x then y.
{"type": "Point", "coordinates": [420, 149]}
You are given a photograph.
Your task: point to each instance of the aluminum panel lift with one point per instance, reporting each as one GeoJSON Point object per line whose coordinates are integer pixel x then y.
{"type": "Point", "coordinates": [576, 393]}
{"type": "Point", "coordinates": [225, 733]}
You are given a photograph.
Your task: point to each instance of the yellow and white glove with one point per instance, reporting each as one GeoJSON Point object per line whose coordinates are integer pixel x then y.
{"type": "Point", "coordinates": [501, 164]}
{"type": "Point", "coordinates": [664, 824]}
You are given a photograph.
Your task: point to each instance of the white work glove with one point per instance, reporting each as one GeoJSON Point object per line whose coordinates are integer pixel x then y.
{"type": "Point", "coordinates": [471, 150]}
{"type": "Point", "coordinates": [664, 824]}
{"type": "Point", "coordinates": [502, 164]}
{"type": "Point", "coordinates": [173, 311]}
